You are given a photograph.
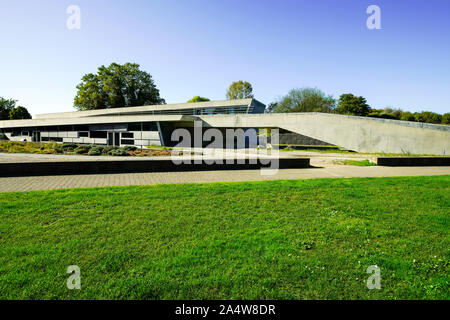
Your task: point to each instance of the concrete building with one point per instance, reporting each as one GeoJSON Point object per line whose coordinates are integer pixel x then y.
{"type": "Point", "coordinates": [138, 126]}
{"type": "Point", "coordinates": [153, 125]}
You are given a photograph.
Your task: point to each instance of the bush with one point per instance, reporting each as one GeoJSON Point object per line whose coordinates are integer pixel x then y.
{"type": "Point", "coordinates": [387, 116]}
{"type": "Point", "coordinates": [407, 116]}
{"type": "Point", "coordinates": [95, 151]}
{"type": "Point", "coordinates": [108, 149]}
{"type": "Point", "coordinates": [69, 146]}
{"type": "Point", "coordinates": [428, 117]}
{"type": "Point", "coordinates": [97, 147]}
{"type": "Point", "coordinates": [82, 149]}
{"type": "Point", "coordinates": [129, 148]}
{"type": "Point", "coordinates": [118, 152]}
{"type": "Point", "coordinates": [446, 118]}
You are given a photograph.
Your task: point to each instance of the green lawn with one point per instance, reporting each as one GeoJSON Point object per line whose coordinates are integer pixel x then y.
{"type": "Point", "coordinates": [303, 239]}
{"type": "Point", "coordinates": [359, 163]}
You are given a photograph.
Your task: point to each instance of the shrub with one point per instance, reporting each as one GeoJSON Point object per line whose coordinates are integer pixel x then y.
{"type": "Point", "coordinates": [407, 116]}
{"type": "Point", "coordinates": [95, 151]}
{"type": "Point", "coordinates": [129, 148]}
{"type": "Point", "coordinates": [69, 146]}
{"type": "Point", "coordinates": [428, 117]}
{"type": "Point", "coordinates": [387, 116]}
{"type": "Point", "coordinates": [118, 153]}
{"type": "Point", "coordinates": [374, 115]}
{"type": "Point", "coordinates": [98, 147]}
{"type": "Point", "coordinates": [446, 118]}
{"type": "Point", "coordinates": [107, 149]}
{"type": "Point", "coordinates": [82, 149]}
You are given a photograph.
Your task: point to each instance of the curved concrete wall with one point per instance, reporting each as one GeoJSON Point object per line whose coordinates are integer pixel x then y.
{"type": "Point", "coordinates": [355, 133]}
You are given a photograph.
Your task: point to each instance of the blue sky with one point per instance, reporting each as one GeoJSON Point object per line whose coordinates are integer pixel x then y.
{"type": "Point", "coordinates": [198, 47]}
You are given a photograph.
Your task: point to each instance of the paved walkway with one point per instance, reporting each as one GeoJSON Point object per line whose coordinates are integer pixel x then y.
{"type": "Point", "coordinates": [95, 180]}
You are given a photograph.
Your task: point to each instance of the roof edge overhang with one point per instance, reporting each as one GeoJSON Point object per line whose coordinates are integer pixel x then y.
{"type": "Point", "coordinates": [163, 107]}
{"type": "Point", "coordinates": [94, 120]}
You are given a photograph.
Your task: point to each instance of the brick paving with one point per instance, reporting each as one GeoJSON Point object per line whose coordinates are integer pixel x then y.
{"type": "Point", "coordinates": [125, 179]}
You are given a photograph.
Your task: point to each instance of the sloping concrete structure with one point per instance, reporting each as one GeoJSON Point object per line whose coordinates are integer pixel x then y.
{"type": "Point", "coordinates": [361, 134]}
{"type": "Point", "coordinates": [153, 125]}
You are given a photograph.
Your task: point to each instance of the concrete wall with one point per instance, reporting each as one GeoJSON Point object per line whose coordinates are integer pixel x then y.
{"type": "Point", "coordinates": [355, 133]}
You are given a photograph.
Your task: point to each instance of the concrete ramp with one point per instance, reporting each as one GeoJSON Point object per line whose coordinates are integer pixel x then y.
{"type": "Point", "coordinates": [361, 134]}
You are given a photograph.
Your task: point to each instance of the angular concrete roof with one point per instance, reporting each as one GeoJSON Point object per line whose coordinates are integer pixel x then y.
{"type": "Point", "coordinates": [146, 109]}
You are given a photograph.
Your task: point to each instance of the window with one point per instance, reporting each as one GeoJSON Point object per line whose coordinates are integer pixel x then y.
{"type": "Point", "coordinates": [126, 141]}
{"type": "Point", "coordinates": [80, 128]}
{"type": "Point", "coordinates": [150, 126]}
{"type": "Point", "coordinates": [134, 127]}
{"type": "Point", "coordinates": [25, 133]}
{"type": "Point", "coordinates": [51, 128]}
{"type": "Point", "coordinates": [98, 134]}
{"type": "Point", "coordinates": [55, 139]}
{"type": "Point", "coordinates": [83, 134]}
{"type": "Point", "coordinates": [128, 135]}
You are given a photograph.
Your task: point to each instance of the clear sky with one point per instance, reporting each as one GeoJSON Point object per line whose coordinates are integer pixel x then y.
{"type": "Point", "coordinates": [198, 47]}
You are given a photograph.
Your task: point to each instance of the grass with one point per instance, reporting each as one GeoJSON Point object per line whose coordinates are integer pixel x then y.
{"type": "Point", "coordinates": [159, 147]}
{"type": "Point", "coordinates": [299, 239]}
{"type": "Point", "coordinates": [306, 145]}
{"type": "Point", "coordinates": [360, 163]}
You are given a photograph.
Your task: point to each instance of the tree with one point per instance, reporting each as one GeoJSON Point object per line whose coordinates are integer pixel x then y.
{"type": "Point", "coordinates": [116, 86]}
{"type": "Point", "coordinates": [6, 105]}
{"type": "Point", "coordinates": [271, 107]}
{"type": "Point", "coordinates": [240, 90]}
{"type": "Point", "coordinates": [9, 111]}
{"type": "Point", "coordinates": [352, 105]}
{"type": "Point", "coordinates": [446, 118]}
{"type": "Point", "coordinates": [198, 99]}
{"type": "Point", "coordinates": [304, 100]}
{"type": "Point", "coordinates": [407, 116]}
{"type": "Point", "coordinates": [19, 113]}
{"type": "Point", "coordinates": [428, 117]}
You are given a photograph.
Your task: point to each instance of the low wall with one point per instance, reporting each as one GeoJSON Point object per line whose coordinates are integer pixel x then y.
{"type": "Point", "coordinates": [413, 161]}
{"type": "Point", "coordinates": [135, 166]}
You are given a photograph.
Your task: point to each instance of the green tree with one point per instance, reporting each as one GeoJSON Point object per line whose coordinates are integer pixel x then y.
{"type": "Point", "coordinates": [428, 117]}
{"type": "Point", "coordinates": [446, 118]}
{"type": "Point", "coordinates": [116, 86]}
{"type": "Point", "coordinates": [407, 116]}
{"type": "Point", "coordinates": [19, 112]}
{"type": "Point", "coordinates": [9, 111]}
{"type": "Point", "coordinates": [271, 107]}
{"type": "Point", "coordinates": [6, 105]}
{"type": "Point", "coordinates": [352, 105]}
{"type": "Point", "coordinates": [198, 99]}
{"type": "Point", "coordinates": [304, 100]}
{"type": "Point", "coordinates": [392, 113]}
{"type": "Point", "coordinates": [240, 90]}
